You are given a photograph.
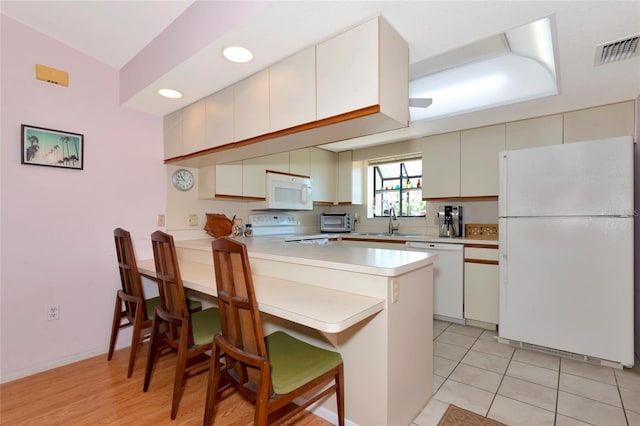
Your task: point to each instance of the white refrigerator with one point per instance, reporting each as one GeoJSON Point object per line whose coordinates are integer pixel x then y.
{"type": "Point", "coordinates": [566, 248]}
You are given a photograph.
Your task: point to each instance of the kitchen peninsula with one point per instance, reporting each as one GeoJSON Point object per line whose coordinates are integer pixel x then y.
{"type": "Point", "coordinates": [372, 305]}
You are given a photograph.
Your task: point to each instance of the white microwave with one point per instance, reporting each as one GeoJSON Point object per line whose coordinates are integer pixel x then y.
{"type": "Point", "coordinates": [288, 192]}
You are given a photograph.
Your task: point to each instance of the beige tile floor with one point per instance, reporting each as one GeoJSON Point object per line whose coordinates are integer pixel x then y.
{"type": "Point", "coordinates": [522, 387]}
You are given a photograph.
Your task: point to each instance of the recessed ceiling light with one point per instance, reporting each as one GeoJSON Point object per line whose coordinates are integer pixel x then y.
{"type": "Point", "coordinates": [170, 93]}
{"type": "Point", "coordinates": [237, 54]}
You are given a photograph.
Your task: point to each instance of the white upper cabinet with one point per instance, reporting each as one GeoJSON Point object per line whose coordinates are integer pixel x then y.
{"type": "Point", "coordinates": [348, 71]}
{"type": "Point", "coordinates": [540, 131]}
{"type": "Point", "coordinates": [602, 122]}
{"type": "Point", "coordinates": [193, 127]}
{"type": "Point", "coordinates": [172, 131]}
{"type": "Point", "coordinates": [219, 118]}
{"type": "Point", "coordinates": [299, 162]}
{"type": "Point", "coordinates": [358, 80]}
{"type": "Point", "coordinates": [350, 184]}
{"type": "Point", "coordinates": [363, 67]}
{"type": "Point", "coordinates": [479, 150]}
{"type": "Point", "coordinates": [441, 165]}
{"type": "Point", "coordinates": [253, 173]}
{"type": "Point", "coordinates": [251, 106]}
{"type": "Point", "coordinates": [323, 175]}
{"type": "Point", "coordinates": [292, 88]}
{"type": "Point", "coordinates": [228, 179]}
{"type": "Point", "coordinates": [207, 182]}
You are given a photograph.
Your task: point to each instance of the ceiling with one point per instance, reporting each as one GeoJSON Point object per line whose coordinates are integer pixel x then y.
{"type": "Point", "coordinates": [178, 44]}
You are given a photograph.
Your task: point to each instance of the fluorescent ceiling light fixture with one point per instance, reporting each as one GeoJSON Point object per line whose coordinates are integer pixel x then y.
{"type": "Point", "coordinates": [170, 93]}
{"type": "Point", "coordinates": [511, 67]}
{"type": "Point", "coordinates": [237, 54]}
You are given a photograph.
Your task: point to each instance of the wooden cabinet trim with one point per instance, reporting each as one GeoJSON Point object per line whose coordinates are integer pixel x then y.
{"type": "Point", "coordinates": [237, 197]}
{"type": "Point", "coordinates": [374, 240]}
{"type": "Point", "coordinates": [285, 174]}
{"type": "Point", "coordinates": [482, 261]}
{"type": "Point", "coordinates": [474, 198]}
{"type": "Point", "coordinates": [486, 246]}
{"type": "Point", "coordinates": [363, 112]}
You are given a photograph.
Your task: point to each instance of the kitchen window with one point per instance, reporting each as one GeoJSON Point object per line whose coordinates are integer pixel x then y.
{"type": "Point", "coordinates": [397, 184]}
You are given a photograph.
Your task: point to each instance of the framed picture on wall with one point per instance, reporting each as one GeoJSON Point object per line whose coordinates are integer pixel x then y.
{"type": "Point", "coordinates": [55, 148]}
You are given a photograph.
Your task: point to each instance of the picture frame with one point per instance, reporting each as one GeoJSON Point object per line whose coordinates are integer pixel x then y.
{"type": "Point", "coordinates": [52, 148]}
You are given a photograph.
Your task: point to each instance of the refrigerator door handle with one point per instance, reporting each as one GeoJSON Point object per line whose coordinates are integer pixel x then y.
{"type": "Point", "coordinates": [502, 184]}
{"type": "Point", "coordinates": [503, 262]}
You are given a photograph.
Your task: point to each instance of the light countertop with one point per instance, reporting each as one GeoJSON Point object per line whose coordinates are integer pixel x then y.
{"type": "Point", "coordinates": [375, 261]}
{"type": "Point", "coordinates": [323, 309]}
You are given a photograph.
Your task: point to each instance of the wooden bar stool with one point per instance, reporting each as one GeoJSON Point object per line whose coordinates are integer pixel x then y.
{"type": "Point", "coordinates": [190, 335]}
{"type": "Point", "coordinates": [272, 371]}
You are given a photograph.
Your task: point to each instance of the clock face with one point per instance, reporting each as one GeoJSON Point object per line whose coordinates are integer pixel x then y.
{"type": "Point", "coordinates": [183, 180]}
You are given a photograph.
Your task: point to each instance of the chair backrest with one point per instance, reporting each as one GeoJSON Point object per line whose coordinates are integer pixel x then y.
{"type": "Point", "coordinates": [129, 275]}
{"type": "Point", "coordinates": [239, 314]}
{"type": "Point", "coordinates": [170, 287]}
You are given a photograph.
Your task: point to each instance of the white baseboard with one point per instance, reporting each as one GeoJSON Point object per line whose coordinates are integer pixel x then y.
{"type": "Point", "coordinates": [52, 364]}
{"type": "Point", "coordinates": [329, 416]}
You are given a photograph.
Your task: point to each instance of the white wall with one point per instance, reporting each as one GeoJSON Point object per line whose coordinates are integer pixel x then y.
{"type": "Point", "coordinates": [637, 231]}
{"type": "Point", "coordinates": [56, 232]}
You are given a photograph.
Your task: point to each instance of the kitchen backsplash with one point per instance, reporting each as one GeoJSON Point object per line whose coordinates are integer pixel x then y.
{"type": "Point", "coordinates": [474, 212]}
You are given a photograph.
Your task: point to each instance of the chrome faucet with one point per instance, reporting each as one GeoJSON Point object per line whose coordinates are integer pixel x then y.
{"type": "Point", "coordinates": [393, 221]}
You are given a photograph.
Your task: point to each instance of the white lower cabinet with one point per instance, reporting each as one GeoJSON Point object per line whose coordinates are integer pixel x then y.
{"type": "Point", "coordinates": [481, 284]}
{"type": "Point", "coordinates": [373, 244]}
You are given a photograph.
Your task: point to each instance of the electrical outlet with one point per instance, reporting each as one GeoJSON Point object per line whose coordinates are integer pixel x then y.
{"type": "Point", "coordinates": [160, 220]}
{"type": "Point", "coordinates": [53, 312]}
{"type": "Point", "coordinates": [193, 220]}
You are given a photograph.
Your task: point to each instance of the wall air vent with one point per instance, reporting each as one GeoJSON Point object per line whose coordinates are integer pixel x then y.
{"type": "Point", "coordinates": [617, 50]}
{"type": "Point", "coordinates": [52, 75]}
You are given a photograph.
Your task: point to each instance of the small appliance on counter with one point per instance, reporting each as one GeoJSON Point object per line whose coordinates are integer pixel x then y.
{"type": "Point", "coordinates": [336, 222]}
{"type": "Point", "coordinates": [450, 221]}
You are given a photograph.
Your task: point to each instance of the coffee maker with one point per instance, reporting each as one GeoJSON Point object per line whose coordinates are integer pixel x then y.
{"type": "Point", "coordinates": [450, 221]}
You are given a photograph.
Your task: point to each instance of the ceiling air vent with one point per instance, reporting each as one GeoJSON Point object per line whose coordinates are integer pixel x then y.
{"type": "Point", "coordinates": [617, 50]}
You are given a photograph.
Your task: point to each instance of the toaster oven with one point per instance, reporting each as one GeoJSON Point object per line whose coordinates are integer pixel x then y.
{"type": "Point", "coordinates": [336, 222]}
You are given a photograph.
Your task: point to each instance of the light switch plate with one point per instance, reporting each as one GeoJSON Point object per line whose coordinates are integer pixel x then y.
{"type": "Point", "coordinates": [193, 220]}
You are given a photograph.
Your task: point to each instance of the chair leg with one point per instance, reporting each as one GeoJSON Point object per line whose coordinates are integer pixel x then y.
{"type": "Point", "coordinates": [212, 388]}
{"type": "Point", "coordinates": [178, 384]}
{"type": "Point", "coordinates": [261, 417]}
{"type": "Point", "coordinates": [340, 394]}
{"type": "Point", "coordinates": [135, 338]}
{"type": "Point", "coordinates": [155, 336]}
{"type": "Point", "coordinates": [115, 326]}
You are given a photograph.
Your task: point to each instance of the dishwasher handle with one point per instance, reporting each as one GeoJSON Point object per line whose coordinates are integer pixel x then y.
{"type": "Point", "coordinates": [423, 245]}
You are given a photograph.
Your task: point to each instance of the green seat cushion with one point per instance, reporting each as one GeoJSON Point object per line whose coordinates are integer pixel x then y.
{"type": "Point", "coordinates": [193, 305]}
{"type": "Point", "coordinates": [151, 305]}
{"type": "Point", "coordinates": [205, 324]}
{"type": "Point", "coordinates": [294, 362]}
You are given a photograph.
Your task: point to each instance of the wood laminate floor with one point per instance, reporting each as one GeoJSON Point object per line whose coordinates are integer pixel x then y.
{"type": "Point", "coordinates": [96, 391]}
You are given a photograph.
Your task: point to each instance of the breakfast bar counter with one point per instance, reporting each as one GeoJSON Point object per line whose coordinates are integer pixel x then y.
{"type": "Point", "coordinates": [374, 306]}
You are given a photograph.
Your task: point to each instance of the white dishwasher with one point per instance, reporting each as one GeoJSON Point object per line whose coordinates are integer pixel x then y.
{"type": "Point", "coordinates": [448, 279]}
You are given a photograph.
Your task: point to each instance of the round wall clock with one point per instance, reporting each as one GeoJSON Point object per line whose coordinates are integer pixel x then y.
{"type": "Point", "coordinates": [183, 179]}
